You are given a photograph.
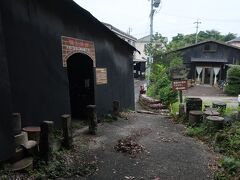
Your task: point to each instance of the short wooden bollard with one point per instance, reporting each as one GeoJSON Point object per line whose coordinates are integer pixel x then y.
{"type": "Point", "coordinates": [92, 119]}
{"type": "Point", "coordinates": [67, 130]}
{"type": "Point", "coordinates": [46, 141]}
{"type": "Point", "coordinates": [181, 110]}
{"type": "Point", "coordinates": [115, 113]}
{"type": "Point", "coordinates": [33, 132]}
{"type": "Point", "coordinates": [210, 112]}
{"type": "Point", "coordinates": [221, 106]}
{"type": "Point", "coordinates": [206, 106]}
{"type": "Point", "coordinates": [215, 122]}
{"type": "Point", "coordinates": [17, 123]}
{"type": "Point", "coordinates": [195, 117]}
{"type": "Point", "coordinates": [193, 104]}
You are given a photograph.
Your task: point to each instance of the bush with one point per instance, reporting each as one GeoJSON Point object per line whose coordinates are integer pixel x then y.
{"type": "Point", "coordinates": [233, 76]}
{"type": "Point", "coordinates": [198, 131]}
{"type": "Point", "coordinates": [160, 87]}
{"type": "Point", "coordinates": [231, 165]}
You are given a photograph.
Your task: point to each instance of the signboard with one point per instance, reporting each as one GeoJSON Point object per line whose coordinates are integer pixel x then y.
{"type": "Point", "coordinates": [101, 76]}
{"type": "Point", "coordinates": [179, 85]}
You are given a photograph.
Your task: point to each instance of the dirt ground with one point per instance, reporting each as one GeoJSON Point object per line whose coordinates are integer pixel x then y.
{"type": "Point", "coordinates": [207, 93]}
{"type": "Point", "coordinates": [168, 154]}
{"type": "Point", "coordinates": [210, 94]}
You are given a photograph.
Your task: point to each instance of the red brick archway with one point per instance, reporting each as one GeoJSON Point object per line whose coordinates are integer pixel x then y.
{"type": "Point", "coordinates": [71, 46]}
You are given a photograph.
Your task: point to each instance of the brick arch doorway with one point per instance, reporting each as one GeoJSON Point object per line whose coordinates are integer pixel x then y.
{"type": "Point", "coordinates": [80, 70]}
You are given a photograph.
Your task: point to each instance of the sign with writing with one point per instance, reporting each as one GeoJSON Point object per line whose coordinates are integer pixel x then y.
{"type": "Point", "coordinates": [179, 85]}
{"type": "Point", "coordinates": [101, 76]}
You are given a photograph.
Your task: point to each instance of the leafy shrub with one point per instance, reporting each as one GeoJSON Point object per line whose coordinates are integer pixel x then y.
{"type": "Point", "coordinates": [160, 86]}
{"type": "Point", "coordinates": [231, 165]}
{"type": "Point", "coordinates": [197, 131]}
{"type": "Point", "coordinates": [233, 76]}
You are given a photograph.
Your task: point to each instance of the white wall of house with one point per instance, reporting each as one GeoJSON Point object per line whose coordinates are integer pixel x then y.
{"type": "Point", "coordinates": [235, 43]}
{"type": "Point", "coordinates": [141, 47]}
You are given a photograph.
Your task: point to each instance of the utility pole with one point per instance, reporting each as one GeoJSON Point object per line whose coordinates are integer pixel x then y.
{"type": "Point", "coordinates": [129, 30]}
{"type": "Point", "coordinates": [197, 27]}
{"type": "Point", "coordinates": [154, 4]}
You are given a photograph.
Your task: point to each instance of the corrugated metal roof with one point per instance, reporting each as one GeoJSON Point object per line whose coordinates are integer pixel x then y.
{"type": "Point", "coordinates": [208, 60]}
{"type": "Point", "coordinates": [235, 40]}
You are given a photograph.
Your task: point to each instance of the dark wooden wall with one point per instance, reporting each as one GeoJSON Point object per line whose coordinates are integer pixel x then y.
{"type": "Point", "coordinates": [39, 82]}
{"type": "Point", "coordinates": [6, 136]}
{"type": "Point", "coordinates": [222, 52]}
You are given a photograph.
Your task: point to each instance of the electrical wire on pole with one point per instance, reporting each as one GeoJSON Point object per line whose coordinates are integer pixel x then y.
{"type": "Point", "coordinates": [197, 27]}
{"type": "Point", "coordinates": [154, 4]}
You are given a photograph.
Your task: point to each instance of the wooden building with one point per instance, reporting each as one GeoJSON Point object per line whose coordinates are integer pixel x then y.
{"type": "Point", "coordinates": [56, 58]}
{"type": "Point", "coordinates": [208, 61]}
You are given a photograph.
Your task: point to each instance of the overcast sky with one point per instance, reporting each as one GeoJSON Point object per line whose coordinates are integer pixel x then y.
{"type": "Point", "coordinates": [173, 17]}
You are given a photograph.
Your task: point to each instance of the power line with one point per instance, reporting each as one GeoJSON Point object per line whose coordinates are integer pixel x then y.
{"type": "Point", "coordinates": [205, 19]}
{"type": "Point", "coordinates": [197, 27]}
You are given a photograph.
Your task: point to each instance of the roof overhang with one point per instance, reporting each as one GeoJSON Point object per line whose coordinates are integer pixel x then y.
{"type": "Point", "coordinates": [139, 60]}
{"type": "Point", "coordinates": [209, 60]}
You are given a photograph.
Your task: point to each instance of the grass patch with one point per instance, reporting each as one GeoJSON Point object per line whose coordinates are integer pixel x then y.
{"type": "Point", "coordinates": [197, 131]}
{"type": "Point", "coordinates": [225, 142]}
{"type": "Point", "coordinates": [64, 164]}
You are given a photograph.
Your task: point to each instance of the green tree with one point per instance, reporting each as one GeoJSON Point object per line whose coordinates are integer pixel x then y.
{"type": "Point", "coordinates": [157, 47]}
{"type": "Point", "coordinates": [160, 87]}
{"type": "Point", "coordinates": [233, 76]}
{"type": "Point", "coordinates": [181, 40]}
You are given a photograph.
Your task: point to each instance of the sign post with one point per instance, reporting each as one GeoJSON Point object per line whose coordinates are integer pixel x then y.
{"type": "Point", "coordinates": [179, 83]}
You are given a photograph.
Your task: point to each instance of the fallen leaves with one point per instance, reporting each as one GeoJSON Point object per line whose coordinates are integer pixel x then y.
{"type": "Point", "coordinates": [129, 146]}
{"type": "Point", "coordinates": [129, 177]}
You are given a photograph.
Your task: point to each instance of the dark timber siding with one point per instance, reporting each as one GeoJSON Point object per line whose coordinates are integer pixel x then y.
{"type": "Point", "coordinates": [197, 51]}
{"type": "Point", "coordinates": [6, 137]}
{"type": "Point", "coordinates": [39, 82]}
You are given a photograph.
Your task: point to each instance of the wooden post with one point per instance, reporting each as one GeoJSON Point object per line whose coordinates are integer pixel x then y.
{"type": "Point", "coordinates": [92, 119]}
{"type": "Point", "coordinates": [181, 110]}
{"type": "Point", "coordinates": [193, 104]}
{"type": "Point", "coordinates": [46, 141]}
{"type": "Point", "coordinates": [67, 130]}
{"type": "Point", "coordinates": [195, 117]}
{"type": "Point", "coordinates": [210, 112]}
{"type": "Point", "coordinates": [221, 106]}
{"type": "Point", "coordinates": [180, 96]}
{"type": "Point", "coordinates": [115, 112]}
{"type": "Point", "coordinates": [215, 123]}
{"type": "Point", "coordinates": [17, 123]}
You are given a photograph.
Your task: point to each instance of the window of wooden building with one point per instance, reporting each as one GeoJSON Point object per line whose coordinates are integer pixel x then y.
{"type": "Point", "coordinates": [210, 48]}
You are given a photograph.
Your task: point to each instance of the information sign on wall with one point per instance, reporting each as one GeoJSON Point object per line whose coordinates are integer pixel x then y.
{"type": "Point", "coordinates": [101, 76]}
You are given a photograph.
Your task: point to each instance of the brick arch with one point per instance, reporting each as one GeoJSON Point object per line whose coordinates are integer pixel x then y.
{"type": "Point", "coordinates": [72, 46]}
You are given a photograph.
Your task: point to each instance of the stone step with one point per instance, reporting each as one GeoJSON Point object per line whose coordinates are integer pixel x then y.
{"type": "Point", "coordinates": [22, 151]}
{"type": "Point", "coordinates": [24, 164]}
{"type": "Point", "coordinates": [21, 138]}
{"type": "Point", "coordinates": [31, 147]}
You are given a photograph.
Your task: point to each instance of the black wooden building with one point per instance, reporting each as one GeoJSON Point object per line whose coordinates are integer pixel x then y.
{"type": "Point", "coordinates": [208, 61]}
{"type": "Point", "coordinates": [56, 58]}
